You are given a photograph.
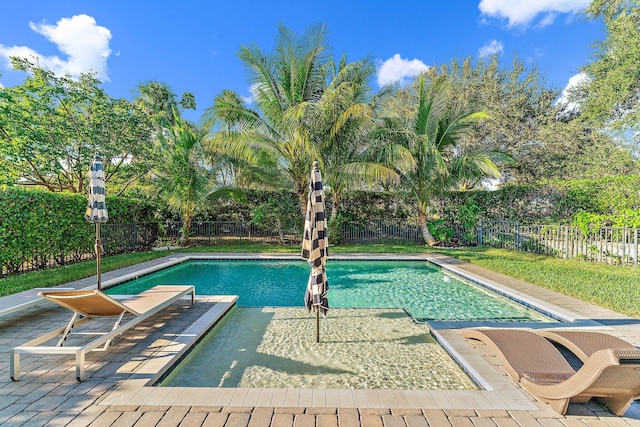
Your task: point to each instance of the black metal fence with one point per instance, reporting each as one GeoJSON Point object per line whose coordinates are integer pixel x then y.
{"type": "Point", "coordinates": [211, 232]}
{"type": "Point", "coordinates": [619, 246]}
{"type": "Point", "coordinates": [116, 239]}
{"type": "Point", "coordinates": [381, 231]}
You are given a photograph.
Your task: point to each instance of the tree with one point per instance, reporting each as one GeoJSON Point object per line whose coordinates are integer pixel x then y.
{"type": "Point", "coordinates": [519, 103]}
{"type": "Point", "coordinates": [611, 93]}
{"type": "Point", "coordinates": [51, 127]}
{"type": "Point", "coordinates": [340, 124]}
{"type": "Point", "coordinates": [160, 102]}
{"type": "Point", "coordinates": [283, 83]}
{"type": "Point", "coordinates": [182, 177]}
{"type": "Point", "coordinates": [528, 122]}
{"type": "Point", "coordinates": [426, 149]}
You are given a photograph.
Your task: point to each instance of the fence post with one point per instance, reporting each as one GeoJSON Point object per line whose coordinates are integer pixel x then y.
{"type": "Point", "coordinates": [480, 234]}
{"type": "Point", "coordinates": [635, 247]}
{"type": "Point", "coordinates": [566, 246]}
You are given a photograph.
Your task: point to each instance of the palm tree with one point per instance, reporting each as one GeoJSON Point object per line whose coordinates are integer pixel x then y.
{"type": "Point", "coordinates": [427, 149]}
{"type": "Point", "coordinates": [340, 123]}
{"type": "Point", "coordinates": [284, 83]}
{"type": "Point", "coordinates": [158, 101]}
{"type": "Point", "coordinates": [183, 179]}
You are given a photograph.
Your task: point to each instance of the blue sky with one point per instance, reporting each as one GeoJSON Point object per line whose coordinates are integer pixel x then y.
{"type": "Point", "coordinates": [192, 45]}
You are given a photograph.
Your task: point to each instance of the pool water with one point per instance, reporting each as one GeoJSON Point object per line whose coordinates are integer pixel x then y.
{"type": "Point", "coordinates": [275, 347]}
{"type": "Point", "coordinates": [422, 289]}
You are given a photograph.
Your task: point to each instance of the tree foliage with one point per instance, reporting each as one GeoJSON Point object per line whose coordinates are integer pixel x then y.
{"type": "Point", "coordinates": [611, 93]}
{"type": "Point", "coordinates": [284, 82]}
{"type": "Point", "coordinates": [340, 125]}
{"type": "Point", "coordinates": [182, 177]}
{"type": "Point", "coordinates": [52, 126]}
{"type": "Point", "coordinates": [530, 124]}
{"type": "Point", "coordinates": [427, 150]}
{"type": "Point", "coordinates": [158, 101]}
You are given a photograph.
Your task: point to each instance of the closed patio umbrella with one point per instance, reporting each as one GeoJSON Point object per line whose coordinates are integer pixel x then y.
{"type": "Point", "coordinates": [97, 209]}
{"type": "Point", "coordinates": [315, 246]}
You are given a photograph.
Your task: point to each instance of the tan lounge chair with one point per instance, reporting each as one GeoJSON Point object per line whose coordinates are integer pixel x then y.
{"type": "Point", "coordinates": [584, 343]}
{"type": "Point", "coordinates": [531, 360]}
{"type": "Point", "coordinates": [93, 304]}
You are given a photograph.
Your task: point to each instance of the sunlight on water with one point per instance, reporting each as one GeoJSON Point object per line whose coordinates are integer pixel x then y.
{"type": "Point", "coordinates": [419, 287]}
{"type": "Point", "coordinates": [358, 349]}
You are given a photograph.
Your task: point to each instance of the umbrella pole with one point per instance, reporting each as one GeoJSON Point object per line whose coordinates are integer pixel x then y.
{"type": "Point", "coordinates": [317, 324]}
{"type": "Point", "coordinates": [98, 244]}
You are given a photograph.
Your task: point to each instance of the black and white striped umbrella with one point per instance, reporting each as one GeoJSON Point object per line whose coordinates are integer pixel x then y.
{"type": "Point", "coordinates": [97, 209]}
{"type": "Point", "coordinates": [315, 246]}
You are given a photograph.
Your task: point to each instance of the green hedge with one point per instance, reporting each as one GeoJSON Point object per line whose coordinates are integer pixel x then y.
{"type": "Point", "coordinates": [40, 226]}
{"type": "Point", "coordinates": [553, 202]}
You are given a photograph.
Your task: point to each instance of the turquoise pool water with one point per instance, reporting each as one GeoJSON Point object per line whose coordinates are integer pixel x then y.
{"type": "Point", "coordinates": [422, 289]}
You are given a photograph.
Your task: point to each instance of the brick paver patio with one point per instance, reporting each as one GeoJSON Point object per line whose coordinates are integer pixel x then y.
{"type": "Point", "coordinates": [48, 394]}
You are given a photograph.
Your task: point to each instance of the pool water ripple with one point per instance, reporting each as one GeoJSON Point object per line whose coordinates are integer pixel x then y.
{"type": "Point", "coordinates": [358, 349]}
{"type": "Point", "coordinates": [421, 288]}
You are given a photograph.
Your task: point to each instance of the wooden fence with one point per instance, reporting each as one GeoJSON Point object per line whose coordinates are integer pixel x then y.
{"type": "Point", "coordinates": [611, 245]}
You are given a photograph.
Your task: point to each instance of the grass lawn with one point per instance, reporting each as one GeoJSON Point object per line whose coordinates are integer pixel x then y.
{"type": "Point", "coordinates": [614, 287]}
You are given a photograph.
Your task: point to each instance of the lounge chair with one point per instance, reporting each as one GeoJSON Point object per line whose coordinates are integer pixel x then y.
{"type": "Point", "coordinates": [582, 343]}
{"type": "Point", "coordinates": [91, 304]}
{"type": "Point", "coordinates": [531, 360]}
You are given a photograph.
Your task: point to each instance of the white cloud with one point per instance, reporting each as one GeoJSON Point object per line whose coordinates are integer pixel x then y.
{"type": "Point", "coordinates": [575, 81]}
{"type": "Point", "coordinates": [523, 12]}
{"type": "Point", "coordinates": [247, 99]}
{"type": "Point", "coordinates": [85, 46]}
{"type": "Point", "coordinates": [491, 48]}
{"type": "Point", "coordinates": [396, 69]}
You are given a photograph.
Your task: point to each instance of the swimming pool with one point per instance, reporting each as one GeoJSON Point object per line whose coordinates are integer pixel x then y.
{"type": "Point", "coordinates": [275, 347]}
{"type": "Point", "coordinates": [422, 289]}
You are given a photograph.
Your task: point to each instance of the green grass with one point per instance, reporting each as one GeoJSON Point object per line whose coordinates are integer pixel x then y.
{"type": "Point", "coordinates": [614, 287]}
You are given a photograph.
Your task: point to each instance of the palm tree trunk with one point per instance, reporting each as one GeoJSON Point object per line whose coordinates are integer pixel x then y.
{"type": "Point", "coordinates": [300, 191]}
{"type": "Point", "coordinates": [426, 234]}
{"type": "Point", "coordinates": [335, 201]}
{"type": "Point", "coordinates": [186, 227]}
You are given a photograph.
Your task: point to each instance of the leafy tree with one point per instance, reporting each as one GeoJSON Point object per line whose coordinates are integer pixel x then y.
{"type": "Point", "coordinates": [529, 124]}
{"type": "Point", "coordinates": [279, 214]}
{"type": "Point", "coordinates": [182, 177]}
{"type": "Point", "coordinates": [283, 83]}
{"type": "Point", "coordinates": [575, 150]}
{"type": "Point", "coordinates": [428, 145]}
{"type": "Point", "coordinates": [519, 103]}
{"type": "Point", "coordinates": [51, 127]}
{"type": "Point", "coordinates": [611, 93]}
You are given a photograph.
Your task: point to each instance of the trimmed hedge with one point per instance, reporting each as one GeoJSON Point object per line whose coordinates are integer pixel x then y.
{"type": "Point", "coordinates": [40, 226]}
{"type": "Point", "coordinates": [550, 203]}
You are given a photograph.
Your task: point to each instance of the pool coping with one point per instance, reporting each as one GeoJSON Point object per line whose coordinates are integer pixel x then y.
{"type": "Point", "coordinates": [497, 391]}
{"type": "Point", "coordinates": [139, 389]}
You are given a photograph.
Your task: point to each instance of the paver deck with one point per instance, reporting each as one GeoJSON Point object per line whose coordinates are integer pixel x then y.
{"type": "Point", "coordinates": [117, 390]}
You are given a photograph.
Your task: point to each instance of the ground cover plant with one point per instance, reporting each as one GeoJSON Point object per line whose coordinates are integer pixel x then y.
{"type": "Point", "coordinates": [613, 287]}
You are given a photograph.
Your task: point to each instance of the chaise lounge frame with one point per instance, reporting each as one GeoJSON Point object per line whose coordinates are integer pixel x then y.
{"type": "Point", "coordinates": [83, 303]}
{"type": "Point", "coordinates": [531, 360]}
{"type": "Point", "coordinates": [584, 343]}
